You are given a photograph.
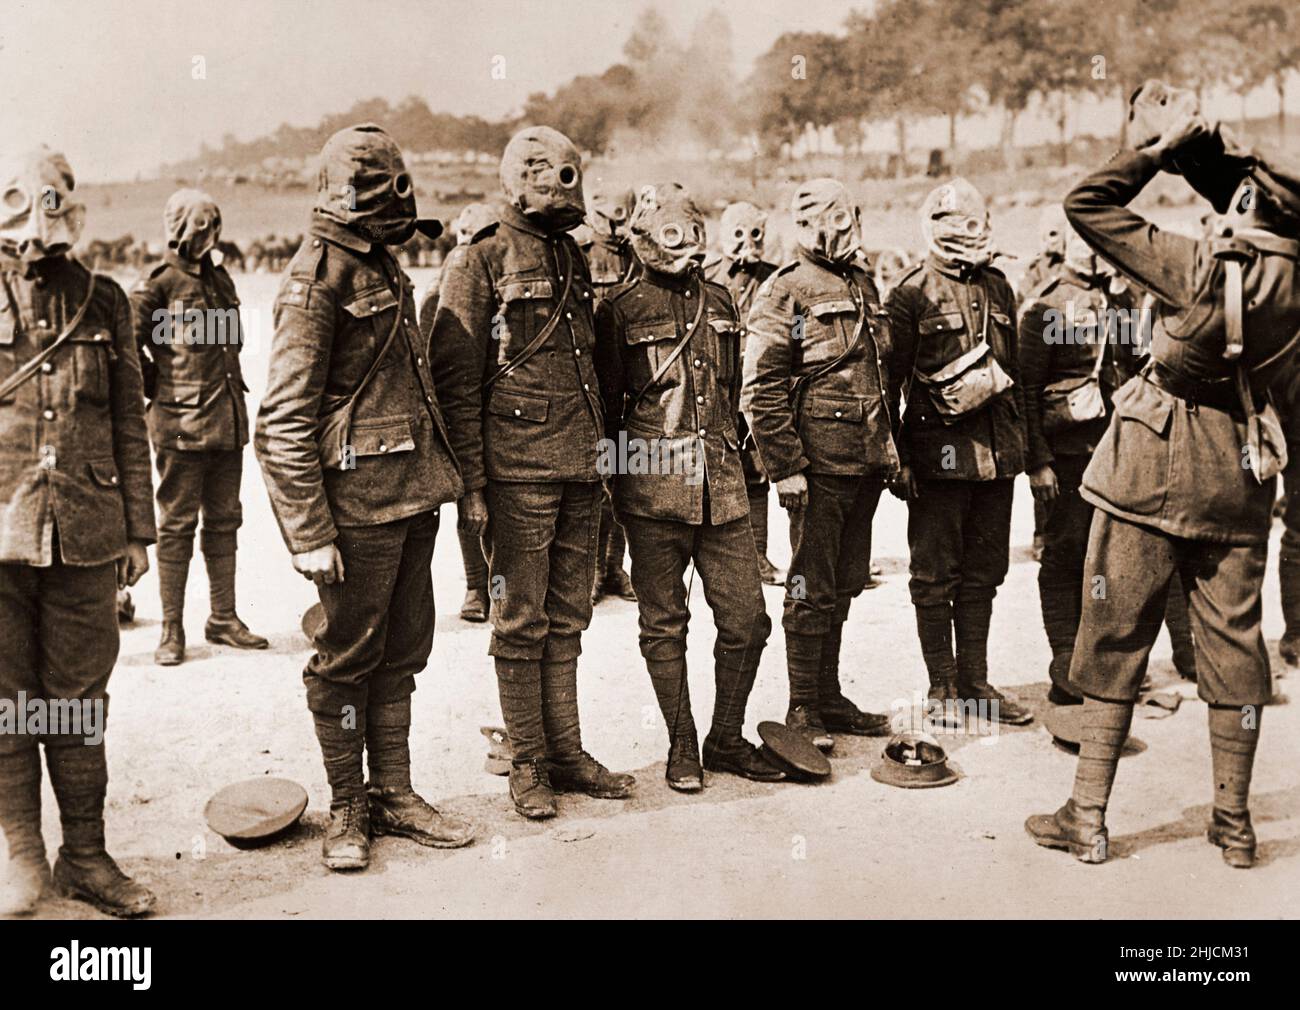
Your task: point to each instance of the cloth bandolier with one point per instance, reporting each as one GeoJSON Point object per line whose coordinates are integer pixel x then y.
{"type": "Point", "coordinates": [76, 514]}
{"type": "Point", "coordinates": [1184, 478]}
{"type": "Point", "coordinates": [512, 348]}
{"type": "Point", "coordinates": [741, 269]}
{"type": "Point", "coordinates": [668, 348]}
{"type": "Point", "coordinates": [611, 262]}
{"type": "Point", "coordinates": [347, 345]}
{"type": "Point", "coordinates": [1078, 340]}
{"type": "Point", "coordinates": [189, 335]}
{"type": "Point", "coordinates": [822, 403]}
{"type": "Point", "coordinates": [953, 322]}
{"type": "Point", "coordinates": [477, 604]}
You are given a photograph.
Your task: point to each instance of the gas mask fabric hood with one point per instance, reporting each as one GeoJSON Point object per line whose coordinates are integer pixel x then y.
{"type": "Point", "coordinates": [38, 218]}
{"type": "Point", "coordinates": [667, 229]}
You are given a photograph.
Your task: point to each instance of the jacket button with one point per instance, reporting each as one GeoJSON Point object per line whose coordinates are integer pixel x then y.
{"type": "Point", "coordinates": [429, 399]}
{"type": "Point", "coordinates": [703, 433]}
{"type": "Point", "coordinates": [48, 415]}
{"type": "Point", "coordinates": [113, 479]}
{"type": "Point", "coordinates": [42, 323]}
{"type": "Point", "coordinates": [698, 362]}
{"type": "Point", "coordinates": [586, 387]}
{"type": "Point", "coordinates": [46, 367]}
{"type": "Point", "coordinates": [382, 447]}
{"type": "Point", "coordinates": [419, 361]}
{"type": "Point", "coordinates": [699, 399]}
{"type": "Point", "coordinates": [518, 412]}
{"type": "Point", "coordinates": [578, 351]}
{"type": "Point", "coordinates": [568, 315]}
{"type": "Point", "coordinates": [839, 413]}
{"type": "Point", "coordinates": [315, 242]}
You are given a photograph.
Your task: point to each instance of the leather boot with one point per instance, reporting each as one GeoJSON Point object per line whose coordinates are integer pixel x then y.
{"type": "Point", "coordinates": [530, 789]}
{"type": "Point", "coordinates": [1081, 830]}
{"type": "Point", "coordinates": [171, 647]}
{"type": "Point", "coordinates": [347, 839]}
{"type": "Point", "coordinates": [476, 606]}
{"type": "Point", "coordinates": [768, 572]}
{"type": "Point", "coordinates": [84, 870]}
{"type": "Point", "coordinates": [725, 749]}
{"type": "Point", "coordinates": [839, 715]}
{"type": "Point", "coordinates": [342, 743]}
{"type": "Point", "coordinates": [582, 773]}
{"type": "Point", "coordinates": [28, 873]}
{"type": "Point", "coordinates": [803, 654]}
{"type": "Point", "coordinates": [571, 768]}
{"type": "Point", "coordinates": [1234, 834]}
{"type": "Point", "coordinates": [742, 758]}
{"type": "Point", "coordinates": [934, 629]}
{"type": "Point", "coordinates": [683, 772]}
{"type": "Point", "coordinates": [971, 616]}
{"type": "Point", "coordinates": [617, 582]}
{"type": "Point", "coordinates": [224, 626]}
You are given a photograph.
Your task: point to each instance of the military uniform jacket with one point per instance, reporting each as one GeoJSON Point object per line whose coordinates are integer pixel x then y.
{"type": "Point", "coordinates": [742, 282]}
{"type": "Point", "coordinates": [1066, 324]}
{"type": "Point", "coordinates": [73, 450]}
{"type": "Point", "coordinates": [543, 421]}
{"type": "Point", "coordinates": [1164, 463]}
{"type": "Point", "coordinates": [610, 262]}
{"type": "Point", "coordinates": [335, 308]}
{"type": "Point", "coordinates": [804, 317]}
{"type": "Point", "coordinates": [685, 422]}
{"type": "Point", "coordinates": [936, 314]}
{"type": "Point", "coordinates": [188, 330]}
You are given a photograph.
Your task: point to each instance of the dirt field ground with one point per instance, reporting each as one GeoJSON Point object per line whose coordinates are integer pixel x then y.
{"type": "Point", "coordinates": [849, 847]}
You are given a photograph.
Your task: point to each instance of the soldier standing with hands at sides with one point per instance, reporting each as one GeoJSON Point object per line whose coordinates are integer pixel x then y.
{"type": "Point", "coordinates": [953, 320]}
{"type": "Point", "coordinates": [357, 461]}
{"type": "Point", "coordinates": [823, 407]}
{"type": "Point", "coordinates": [611, 262]}
{"type": "Point", "coordinates": [669, 363]}
{"type": "Point", "coordinates": [198, 422]}
{"type": "Point", "coordinates": [472, 219]}
{"type": "Point", "coordinates": [741, 269]}
{"type": "Point", "coordinates": [512, 348]}
{"type": "Point", "coordinates": [76, 514]}
{"type": "Point", "coordinates": [1184, 478]}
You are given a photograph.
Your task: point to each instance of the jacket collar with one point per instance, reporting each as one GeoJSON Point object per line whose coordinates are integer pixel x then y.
{"type": "Point", "coordinates": [515, 218]}
{"type": "Point", "coordinates": [685, 281]}
{"type": "Point", "coordinates": [964, 272]}
{"type": "Point", "coordinates": [339, 234]}
{"type": "Point", "coordinates": [172, 258]}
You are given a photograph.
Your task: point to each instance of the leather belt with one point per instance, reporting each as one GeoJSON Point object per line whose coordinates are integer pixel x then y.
{"type": "Point", "coordinates": [1221, 394]}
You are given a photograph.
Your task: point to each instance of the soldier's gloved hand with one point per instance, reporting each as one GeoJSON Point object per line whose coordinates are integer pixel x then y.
{"type": "Point", "coordinates": [1042, 482]}
{"type": "Point", "coordinates": [792, 492]}
{"type": "Point", "coordinates": [131, 567]}
{"type": "Point", "coordinates": [473, 513]}
{"type": "Point", "coordinates": [324, 565]}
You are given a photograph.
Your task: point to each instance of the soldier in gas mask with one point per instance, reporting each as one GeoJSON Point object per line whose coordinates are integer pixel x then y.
{"type": "Point", "coordinates": [357, 461]}
{"type": "Point", "coordinates": [476, 606]}
{"type": "Point", "coordinates": [189, 334]}
{"type": "Point", "coordinates": [668, 343]}
{"type": "Point", "coordinates": [740, 268]}
{"type": "Point", "coordinates": [823, 407]}
{"type": "Point", "coordinates": [76, 513]}
{"type": "Point", "coordinates": [611, 262]}
{"type": "Point", "coordinates": [512, 348]}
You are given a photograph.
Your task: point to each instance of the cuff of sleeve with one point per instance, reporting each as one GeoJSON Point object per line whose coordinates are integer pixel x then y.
{"type": "Point", "coordinates": [800, 465]}
{"type": "Point", "coordinates": [314, 543]}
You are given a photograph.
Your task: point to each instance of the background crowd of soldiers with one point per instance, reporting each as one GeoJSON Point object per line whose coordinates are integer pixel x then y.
{"type": "Point", "coordinates": [504, 388]}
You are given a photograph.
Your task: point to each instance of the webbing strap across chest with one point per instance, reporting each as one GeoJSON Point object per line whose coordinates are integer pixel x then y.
{"type": "Point", "coordinates": [669, 361]}
{"type": "Point", "coordinates": [544, 334]}
{"type": "Point", "coordinates": [33, 366]}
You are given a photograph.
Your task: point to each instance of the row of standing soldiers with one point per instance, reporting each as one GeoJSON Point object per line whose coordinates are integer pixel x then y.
{"type": "Point", "coordinates": [530, 400]}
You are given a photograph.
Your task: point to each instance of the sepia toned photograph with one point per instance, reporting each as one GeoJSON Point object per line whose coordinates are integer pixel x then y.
{"type": "Point", "coordinates": [649, 460]}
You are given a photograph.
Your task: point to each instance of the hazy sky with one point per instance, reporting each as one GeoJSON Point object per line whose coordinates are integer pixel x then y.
{"type": "Point", "coordinates": [111, 82]}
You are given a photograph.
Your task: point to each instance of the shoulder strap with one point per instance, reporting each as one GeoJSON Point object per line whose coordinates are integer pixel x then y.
{"type": "Point", "coordinates": [805, 381]}
{"type": "Point", "coordinates": [669, 361]}
{"type": "Point", "coordinates": [543, 334]}
{"type": "Point", "coordinates": [34, 365]}
{"type": "Point", "coordinates": [379, 358]}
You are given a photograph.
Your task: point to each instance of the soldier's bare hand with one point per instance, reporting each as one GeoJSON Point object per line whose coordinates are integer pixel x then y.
{"type": "Point", "coordinates": [473, 513]}
{"type": "Point", "coordinates": [324, 565]}
{"type": "Point", "coordinates": [792, 492]}
{"type": "Point", "coordinates": [904, 487]}
{"type": "Point", "coordinates": [1043, 483]}
{"type": "Point", "coordinates": [132, 567]}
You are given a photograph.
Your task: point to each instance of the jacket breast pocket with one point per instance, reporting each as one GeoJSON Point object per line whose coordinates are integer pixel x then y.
{"type": "Point", "coordinates": [523, 308]}
{"type": "Point", "coordinates": [373, 310]}
{"type": "Point", "coordinates": [827, 330]}
{"type": "Point", "coordinates": [725, 350]}
{"type": "Point", "coordinates": [179, 394]}
{"type": "Point", "coordinates": [92, 358]}
{"type": "Point", "coordinates": [650, 346]}
{"type": "Point", "coordinates": [1131, 467]}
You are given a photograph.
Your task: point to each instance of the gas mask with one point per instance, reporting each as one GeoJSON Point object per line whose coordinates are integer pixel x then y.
{"type": "Point", "coordinates": [192, 224]}
{"type": "Point", "coordinates": [1079, 256]}
{"type": "Point", "coordinates": [667, 229]}
{"type": "Point", "coordinates": [38, 220]}
{"type": "Point", "coordinates": [541, 174]}
{"type": "Point", "coordinates": [1052, 227]}
{"type": "Point", "coordinates": [608, 210]}
{"type": "Point", "coordinates": [955, 224]}
{"type": "Point", "coordinates": [472, 219]}
{"type": "Point", "coordinates": [826, 221]}
{"type": "Point", "coordinates": [744, 227]}
{"type": "Point", "coordinates": [363, 184]}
